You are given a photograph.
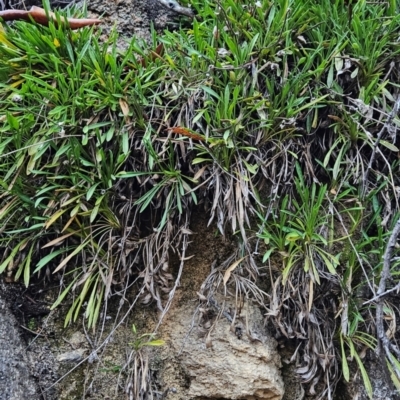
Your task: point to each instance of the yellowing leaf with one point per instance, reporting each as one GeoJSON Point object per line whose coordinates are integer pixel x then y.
{"type": "Point", "coordinates": [17, 83]}
{"type": "Point", "coordinates": [292, 236]}
{"type": "Point", "coordinates": [4, 40]}
{"type": "Point", "coordinates": [157, 342]}
{"type": "Point", "coordinates": [54, 217]}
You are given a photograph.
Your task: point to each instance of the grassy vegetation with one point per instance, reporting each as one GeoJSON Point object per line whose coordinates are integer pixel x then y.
{"type": "Point", "coordinates": [279, 122]}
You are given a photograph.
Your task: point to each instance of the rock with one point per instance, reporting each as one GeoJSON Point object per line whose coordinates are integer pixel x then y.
{"type": "Point", "coordinates": [71, 356]}
{"type": "Point", "coordinates": [234, 365]}
{"type": "Point", "coordinates": [77, 339]}
{"type": "Point", "coordinates": [16, 381]}
{"type": "Point", "coordinates": [382, 386]}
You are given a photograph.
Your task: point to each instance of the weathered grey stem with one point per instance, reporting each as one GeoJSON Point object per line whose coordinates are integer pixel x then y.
{"type": "Point", "coordinates": [384, 342]}
{"type": "Point", "coordinates": [385, 127]}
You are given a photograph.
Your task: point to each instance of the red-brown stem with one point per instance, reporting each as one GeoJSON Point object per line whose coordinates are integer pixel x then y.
{"type": "Point", "coordinates": [39, 16]}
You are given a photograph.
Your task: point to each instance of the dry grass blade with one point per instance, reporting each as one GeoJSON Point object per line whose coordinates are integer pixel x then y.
{"type": "Point", "coordinates": [229, 270]}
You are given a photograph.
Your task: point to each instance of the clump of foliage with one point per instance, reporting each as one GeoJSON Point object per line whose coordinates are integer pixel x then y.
{"type": "Point", "coordinates": [139, 381]}
{"type": "Point", "coordinates": [277, 121]}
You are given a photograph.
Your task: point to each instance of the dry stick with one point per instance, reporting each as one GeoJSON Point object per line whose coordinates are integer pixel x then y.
{"type": "Point", "coordinates": [385, 127]}
{"type": "Point", "coordinates": [377, 297]}
{"type": "Point", "coordinates": [43, 17]}
{"type": "Point", "coordinates": [383, 340]}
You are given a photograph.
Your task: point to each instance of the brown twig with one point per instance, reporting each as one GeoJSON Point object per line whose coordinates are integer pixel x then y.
{"type": "Point", "coordinates": [33, 332]}
{"type": "Point", "coordinates": [40, 16]}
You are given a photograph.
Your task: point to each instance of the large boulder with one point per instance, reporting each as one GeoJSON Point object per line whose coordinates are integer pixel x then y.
{"type": "Point", "coordinates": [221, 356]}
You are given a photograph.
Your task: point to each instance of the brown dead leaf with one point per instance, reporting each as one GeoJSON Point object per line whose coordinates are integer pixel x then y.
{"type": "Point", "coordinates": [58, 240]}
{"type": "Point", "coordinates": [124, 107]}
{"type": "Point", "coordinates": [228, 272]}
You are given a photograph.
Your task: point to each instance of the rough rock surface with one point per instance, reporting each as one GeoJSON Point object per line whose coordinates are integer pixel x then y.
{"type": "Point", "coordinates": [233, 364]}
{"type": "Point", "coordinates": [355, 389]}
{"type": "Point", "coordinates": [130, 18]}
{"type": "Point", "coordinates": [16, 381]}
